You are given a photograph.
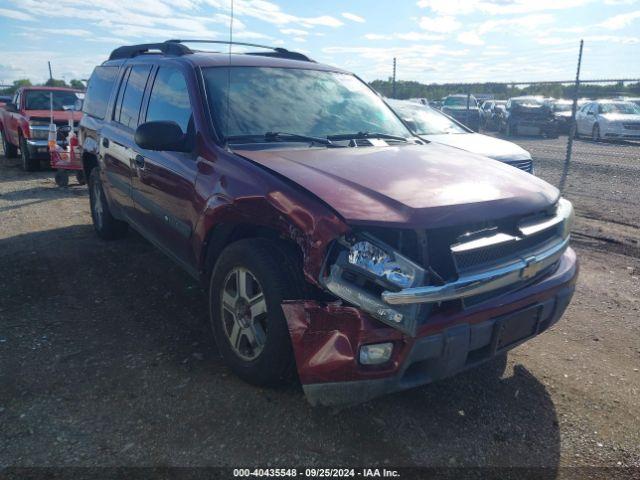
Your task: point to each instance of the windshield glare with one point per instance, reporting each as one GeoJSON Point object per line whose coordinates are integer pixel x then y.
{"type": "Point", "coordinates": [427, 121]}
{"type": "Point", "coordinates": [622, 107]}
{"type": "Point", "coordinates": [528, 102]}
{"type": "Point", "coordinates": [40, 99]}
{"type": "Point", "coordinates": [459, 102]}
{"type": "Point", "coordinates": [302, 102]}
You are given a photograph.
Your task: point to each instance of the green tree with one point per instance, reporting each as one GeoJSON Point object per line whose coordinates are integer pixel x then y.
{"type": "Point", "coordinates": [75, 83]}
{"type": "Point", "coordinates": [24, 82]}
{"type": "Point", "coordinates": [54, 82]}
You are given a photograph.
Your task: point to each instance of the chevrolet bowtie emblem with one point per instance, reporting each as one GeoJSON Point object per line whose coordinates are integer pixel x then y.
{"type": "Point", "coordinates": [531, 268]}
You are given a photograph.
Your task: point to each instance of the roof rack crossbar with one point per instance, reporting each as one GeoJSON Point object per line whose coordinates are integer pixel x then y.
{"type": "Point", "coordinates": [277, 51]}
{"type": "Point", "coordinates": [168, 48]}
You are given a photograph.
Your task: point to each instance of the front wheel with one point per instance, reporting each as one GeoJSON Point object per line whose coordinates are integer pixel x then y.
{"type": "Point", "coordinates": [29, 164]}
{"type": "Point", "coordinates": [248, 284]}
{"type": "Point", "coordinates": [105, 224]}
{"type": "Point", "coordinates": [62, 178]}
{"type": "Point", "coordinates": [10, 151]}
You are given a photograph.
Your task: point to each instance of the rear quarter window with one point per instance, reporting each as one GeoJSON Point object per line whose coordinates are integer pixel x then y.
{"type": "Point", "coordinates": [99, 91]}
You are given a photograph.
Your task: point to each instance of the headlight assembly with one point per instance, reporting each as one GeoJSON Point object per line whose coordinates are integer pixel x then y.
{"type": "Point", "coordinates": [363, 268]}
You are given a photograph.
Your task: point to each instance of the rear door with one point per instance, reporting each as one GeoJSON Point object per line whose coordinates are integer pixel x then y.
{"type": "Point", "coordinates": [117, 136]}
{"type": "Point", "coordinates": [164, 182]}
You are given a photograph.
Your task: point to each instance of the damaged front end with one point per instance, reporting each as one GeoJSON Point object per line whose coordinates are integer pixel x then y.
{"type": "Point", "coordinates": [399, 314]}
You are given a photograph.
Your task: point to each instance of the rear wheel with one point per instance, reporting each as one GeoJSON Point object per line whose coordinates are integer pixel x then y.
{"type": "Point", "coordinates": [248, 284]}
{"type": "Point", "coordinates": [29, 164]}
{"type": "Point", "coordinates": [106, 225]}
{"type": "Point", "coordinates": [62, 178]}
{"type": "Point", "coordinates": [10, 151]}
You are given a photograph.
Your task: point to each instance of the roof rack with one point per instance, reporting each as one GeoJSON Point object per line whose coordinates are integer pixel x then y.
{"type": "Point", "coordinates": [175, 47]}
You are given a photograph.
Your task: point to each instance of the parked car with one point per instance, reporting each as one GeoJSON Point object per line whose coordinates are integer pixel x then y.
{"type": "Point", "coordinates": [635, 100]}
{"type": "Point", "coordinates": [24, 123]}
{"type": "Point", "coordinates": [437, 127]}
{"type": "Point", "coordinates": [331, 239]}
{"type": "Point", "coordinates": [608, 119]}
{"type": "Point", "coordinates": [528, 116]}
{"type": "Point", "coordinates": [487, 112]}
{"type": "Point", "coordinates": [562, 112]}
{"type": "Point", "coordinates": [4, 99]}
{"type": "Point", "coordinates": [464, 109]}
{"type": "Point", "coordinates": [494, 118]}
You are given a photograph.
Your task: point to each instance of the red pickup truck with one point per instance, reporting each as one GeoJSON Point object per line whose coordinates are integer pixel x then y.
{"type": "Point", "coordinates": [24, 122]}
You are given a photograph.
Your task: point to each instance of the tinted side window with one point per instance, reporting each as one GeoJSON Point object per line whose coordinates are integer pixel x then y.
{"type": "Point", "coordinates": [170, 98]}
{"type": "Point", "coordinates": [99, 91]}
{"type": "Point", "coordinates": [129, 108]}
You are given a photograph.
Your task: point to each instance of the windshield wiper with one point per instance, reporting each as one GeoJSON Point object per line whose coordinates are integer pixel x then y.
{"type": "Point", "coordinates": [346, 136]}
{"type": "Point", "coordinates": [279, 136]}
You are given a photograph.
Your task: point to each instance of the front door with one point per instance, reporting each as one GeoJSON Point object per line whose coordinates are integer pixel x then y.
{"type": "Point", "coordinates": [163, 184]}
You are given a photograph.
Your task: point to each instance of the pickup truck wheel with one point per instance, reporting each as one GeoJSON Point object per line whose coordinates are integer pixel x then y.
{"type": "Point", "coordinates": [62, 178]}
{"type": "Point", "coordinates": [29, 164]}
{"type": "Point", "coordinates": [248, 284]}
{"type": "Point", "coordinates": [10, 151]}
{"type": "Point", "coordinates": [106, 225]}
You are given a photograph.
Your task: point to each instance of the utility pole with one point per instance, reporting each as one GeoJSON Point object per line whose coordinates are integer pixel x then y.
{"type": "Point", "coordinates": [393, 84]}
{"type": "Point", "coordinates": [50, 74]}
{"type": "Point", "coordinates": [572, 129]}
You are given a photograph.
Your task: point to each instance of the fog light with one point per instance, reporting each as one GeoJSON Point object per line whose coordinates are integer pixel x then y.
{"type": "Point", "coordinates": [376, 353]}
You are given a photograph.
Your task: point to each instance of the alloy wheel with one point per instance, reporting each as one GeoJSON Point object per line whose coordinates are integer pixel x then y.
{"type": "Point", "coordinates": [244, 313]}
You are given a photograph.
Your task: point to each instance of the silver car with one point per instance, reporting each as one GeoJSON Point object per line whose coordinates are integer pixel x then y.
{"type": "Point", "coordinates": [435, 126]}
{"type": "Point", "coordinates": [608, 119]}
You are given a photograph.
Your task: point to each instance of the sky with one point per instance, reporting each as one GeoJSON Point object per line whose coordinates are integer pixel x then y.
{"type": "Point", "coordinates": [435, 41]}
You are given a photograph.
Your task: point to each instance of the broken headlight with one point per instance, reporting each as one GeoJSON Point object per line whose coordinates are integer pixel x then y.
{"type": "Point", "coordinates": [362, 267]}
{"type": "Point", "coordinates": [383, 264]}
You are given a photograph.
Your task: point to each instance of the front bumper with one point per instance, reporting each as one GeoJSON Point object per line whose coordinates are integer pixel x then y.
{"type": "Point", "coordinates": [327, 338]}
{"type": "Point", "coordinates": [38, 148]}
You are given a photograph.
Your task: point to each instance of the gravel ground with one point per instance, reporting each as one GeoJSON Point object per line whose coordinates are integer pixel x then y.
{"type": "Point", "coordinates": [106, 358]}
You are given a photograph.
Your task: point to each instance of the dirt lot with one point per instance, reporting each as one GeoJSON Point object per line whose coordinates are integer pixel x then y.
{"type": "Point", "coordinates": [106, 357]}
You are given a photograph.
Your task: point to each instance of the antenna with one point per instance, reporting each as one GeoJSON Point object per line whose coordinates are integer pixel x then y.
{"type": "Point", "coordinates": [229, 73]}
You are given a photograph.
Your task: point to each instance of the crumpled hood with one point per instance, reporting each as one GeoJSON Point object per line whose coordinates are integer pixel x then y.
{"type": "Point", "coordinates": [413, 186]}
{"type": "Point", "coordinates": [482, 145]}
{"type": "Point", "coordinates": [621, 117]}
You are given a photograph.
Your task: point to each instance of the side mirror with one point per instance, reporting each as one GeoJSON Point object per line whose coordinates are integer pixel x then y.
{"type": "Point", "coordinates": [161, 136]}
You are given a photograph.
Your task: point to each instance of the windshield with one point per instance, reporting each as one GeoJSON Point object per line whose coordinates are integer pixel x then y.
{"type": "Point", "coordinates": [622, 107]}
{"type": "Point", "coordinates": [459, 102]}
{"type": "Point", "coordinates": [561, 107]}
{"type": "Point", "coordinates": [40, 99]}
{"type": "Point", "coordinates": [426, 120]}
{"type": "Point", "coordinates": [296, 101]}
{"type": "Point", "coordinates": [527, 102]}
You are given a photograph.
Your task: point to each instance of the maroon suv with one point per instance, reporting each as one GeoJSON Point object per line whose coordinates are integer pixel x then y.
{"type": "Point", "coordinates": [333, 242]}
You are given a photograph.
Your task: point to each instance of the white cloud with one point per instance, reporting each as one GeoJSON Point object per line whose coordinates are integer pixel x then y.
{"type": "Point", "coordinates": [439, 24]}
{"type": "Point", "coordinates": [524, 24]}
{"type": "Point", "coordinates": [353, 17]}
{"type": "Point", "coordinates": [470, 38]}
{"type": "Point", "coordinates": [408, 36]}
{"type": "Point", "coordinates": [15, 14]}
{"type": "Point", "coordinates": [497, 7]}
{"type": "Point", "coordinates": [272, 13]}
{"type": "Point", "coordinates": [618, 22]}
{"type": "Point", "coordinates": [294, 31]}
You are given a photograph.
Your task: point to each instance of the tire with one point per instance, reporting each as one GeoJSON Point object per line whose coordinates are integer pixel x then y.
{"type": "Point", "coordinates": [62, 178]}
{"type": "Point", "coordinates": [80, 177]}
{"type": "Point", "coordinates": [10, 151]}
{"type": "Point", "coordinates": [29, 164]}
{"type": "Point", "coordinates": [255, 344]}
{"type": "Point", "coordinates": [595, 133]}
{"type": "Point", "coordinates": [105, 224]}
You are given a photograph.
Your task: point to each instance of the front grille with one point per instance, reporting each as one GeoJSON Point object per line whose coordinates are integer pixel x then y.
{"type": "Point", "coordinates": [526, 165]}
{"type": "Point", "coordinates": [631, 126]}
{"type": "Point", "coordinates": [482, 257]}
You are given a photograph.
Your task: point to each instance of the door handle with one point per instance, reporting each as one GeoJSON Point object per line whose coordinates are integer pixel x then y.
{"type": "Point", "coordinates": [139, 160]}
{"type": "Point", "coordinates": [105, 142]}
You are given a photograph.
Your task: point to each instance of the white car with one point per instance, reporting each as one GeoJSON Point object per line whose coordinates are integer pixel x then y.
{"type": "Point", "coordinates": [435, 126]}
{"type": "Point", "coordinates": [608, 119]}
